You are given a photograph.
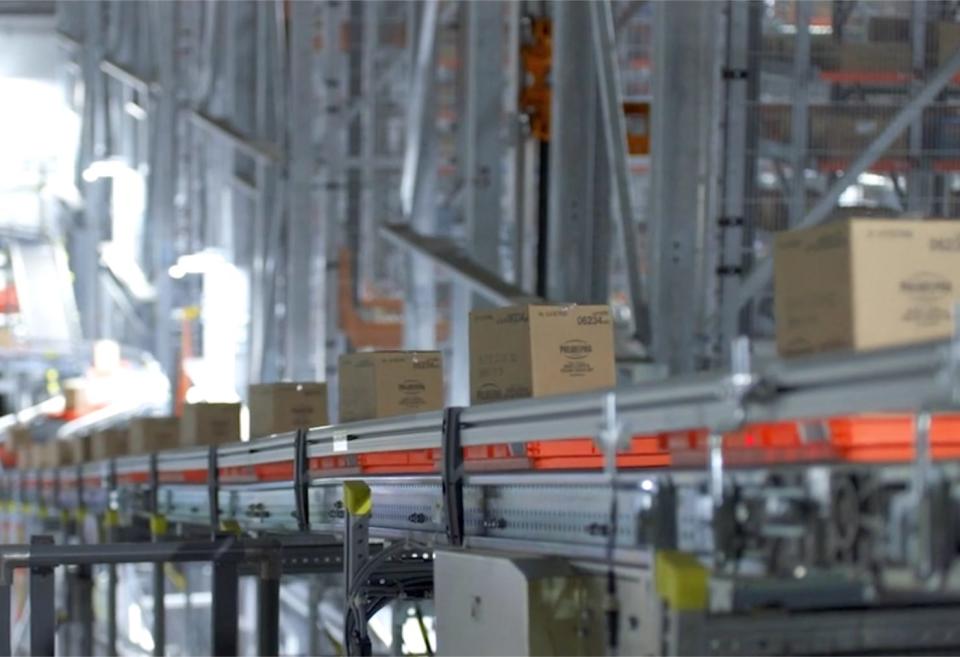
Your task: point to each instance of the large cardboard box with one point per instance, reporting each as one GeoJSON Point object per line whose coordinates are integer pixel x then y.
{"type": "Point", "coordinates": [280, 407]}
{"type": "Point", "coordinates": [209, 424]}
{"type": "Point", "coordinates": [385, 383]}
{"type": "Point", "coordinates": [109, 443]}
{"type": "Point", "coordinates": [534, 351]}
{"type": "Point", "coordinates": [59, 453]}
{"type": "Point", "coordinates": [154, 434]}
{"type": "Point", "coordinates": [17, 438]}
{"type": "Point", "coordinates": [865, 283]}
{"type": "Point", "coordinates": [38, 455]}
{"type": "Point", "coordinates": [80, 449]}
{"type": "Point", "coordinates": [75, 395]}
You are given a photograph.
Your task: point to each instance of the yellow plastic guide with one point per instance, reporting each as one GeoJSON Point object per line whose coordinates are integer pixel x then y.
{"type": "Point", "coordinates": [357, 498]}
{"type": "Point", "coordinates": [681, 581]}
{"type": "Point", "coordinates": [158, 524]}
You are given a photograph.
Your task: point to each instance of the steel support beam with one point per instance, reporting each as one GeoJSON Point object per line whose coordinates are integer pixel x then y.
{"type": "Point", "coordinates": [268, 609]}
{"type": "Point", "coordinates": [578, 226]}
{"type": "Point", "coordinates": [43, 623]}
{"type": "Point", "coordinates": [684, 147]}
{"type": "Point", "coordinates": [734, 224]}
{"type": "Point", "coordinates": [920, 178]}
{"type": "Point", "coordinates": [223, 631]}
{"type": "Point", "coordinates": [762, 273]}
{"type": "Point", "coordinates": [611, 99]}
{"type": "Point", "coordinates": [800, 113]}
{"type": "Point", "coordinates": [443, 253]}
{"type": "Point", "coordinates": [6, 620]}
{"type": "Point", "coordinates": [301, 363]}
{"type": "Point", "coordinates": [481, 160]}
{"type": "Point", "coordinates": [418, 180]}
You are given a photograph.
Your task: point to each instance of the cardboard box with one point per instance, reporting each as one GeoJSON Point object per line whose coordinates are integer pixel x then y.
{"type": "Point", "coordinates": [59, 453]}
{"type": "Point", "coordinates": [154, 434]}
{"type": "Point", "coordinates": [109, 443]}
{"type": "Point", "coordinates": [209, 424]}
{"type": "Point", "coordinates": [385, 383]}
{"type": "Point", "coordinates": [948, 40]}
{"type": "Point", "coordinates": [17, 438]}
{"type": "Point", "coordinates": [865, 283]}
{"type": "Point", "coordinates": [845, 131]}
{"type": "Point", "coordinates": [280, 407]}
{"type": "Point", "coordinates": [75, 395]}
{"type": "Point", "coordinates": [38, 455]}
{"type": "Point", "coordinates": [874, 57]}
{"type": "Point", "coordinates": [534, 351]}
{"type": "Point", "coordinates": [80, 449]}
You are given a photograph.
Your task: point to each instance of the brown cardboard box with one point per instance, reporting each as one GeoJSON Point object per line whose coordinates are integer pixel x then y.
{"type": "Point", "coordinates": [874, 57]}
{"type": "Point", "coordinates": [75, 395]}
{"type": "Point", "coordinates": [209, 424]}
{"type": "Point", "coordinates": [59, 453]}
{"type": "Point", "coordinates": [865, 283]}
{"type": "Point", "coordinates": [80, 449]}
{"type": "Point", "coordinates": [948, 40]}
{"type": "Point", "coordinates": [845, 131]}
{"type": "Point", "coordinates": [280, 407]}
{"type": "Point", "coordinates": [17, 438]}
{"type": "Point", "coordinates": [39, 455]}
{"type": "Point", "coordinates": [384, 383]}
{"type": "Point", "coordinates": [109, 443]}
{"type": "Point", "coordinates": [154, 434]}
{"type": "Point", "coordinates": [534, 351]}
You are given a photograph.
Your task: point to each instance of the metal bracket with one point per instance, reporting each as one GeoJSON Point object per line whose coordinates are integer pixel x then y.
{"type": "Point", "coordinates": [213, 489]}
{"type": "Point", "coordinates": [452, 474]}
{"type": "Point", "coordinates": [301, 480]}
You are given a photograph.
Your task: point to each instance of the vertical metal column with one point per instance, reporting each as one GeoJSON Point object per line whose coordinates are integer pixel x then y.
{"type": "Point", "coordinates": [919, 180]}
{"type": "Point", "coordinates": [302, 364]}
{"type": "Point", "coordinates": [615, 132]}
{"type": "Point", "coordinates": [418, 181]}
{"type": "Point", "coordinates": [43, 623]}
{"type": "Point", "coordinates": [6, 619]}
{"type": "Point", "coordinates": [327, 242]}
{"type": "Point", "coordinates": [83, 594]}
{"type": "Point", "coordinates": [800, 112]}
{"type": "Point", "coordinates": [578, 231]}
{"type": "Point", "coordinates": [481, 151]}
{"type": "Point", "coordinates": [224, 608]}
{"type": "Point", "coordinates": [268, 608]}
{"type": "Point", "coordinates": [157, 529]}
{"type": "Point", "coordinates": [684, 132]}
{"type": "Point", "coordinates": [357, 502]}
{"type": "Point", "coordinates": [163, 150]}
{"type": "Point", "coordinates": [734, 226]}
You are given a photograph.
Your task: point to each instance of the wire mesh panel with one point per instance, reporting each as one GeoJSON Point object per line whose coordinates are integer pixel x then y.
{"type": "Point", "coordinates": [845, 70]}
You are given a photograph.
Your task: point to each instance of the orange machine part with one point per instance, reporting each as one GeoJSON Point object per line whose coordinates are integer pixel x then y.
{"type": "Point", "coordinates": [536, 58]}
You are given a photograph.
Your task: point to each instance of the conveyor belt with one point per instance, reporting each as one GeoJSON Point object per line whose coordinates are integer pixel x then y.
{"type": "Point", "coordinates": [513, 492]}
